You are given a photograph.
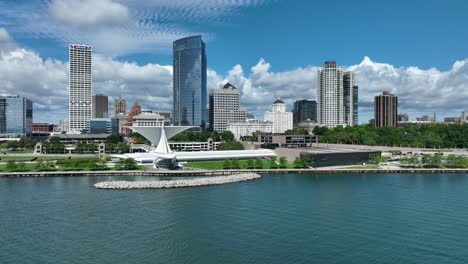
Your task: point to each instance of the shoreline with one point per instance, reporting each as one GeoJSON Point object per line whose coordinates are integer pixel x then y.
{"type": "Point", "coordinates": [196, 173]}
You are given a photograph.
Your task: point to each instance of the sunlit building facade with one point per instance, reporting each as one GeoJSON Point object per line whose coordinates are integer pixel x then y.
{"type": "Point", "coordinates": [80, 83]}
{"type": "Point", "coordinates": [16, 116]}
{"type": "Point", "coordinates": [189, 80]}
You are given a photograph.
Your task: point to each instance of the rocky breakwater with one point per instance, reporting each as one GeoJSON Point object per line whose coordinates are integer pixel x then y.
{"type": "Point", "coordinates": [205, 181]}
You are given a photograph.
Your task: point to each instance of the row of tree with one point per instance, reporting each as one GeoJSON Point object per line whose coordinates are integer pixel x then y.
{"type": "Point", "coordinates": [23, 143]}
{"type": "Point", "coordinates": [203, 136]}
{"type": "Point", "coordinates": [429, 136]}
{"type": "Point", "coordinates": [435, 161]}
{"type": "Point", "coordinates": [272, 163]}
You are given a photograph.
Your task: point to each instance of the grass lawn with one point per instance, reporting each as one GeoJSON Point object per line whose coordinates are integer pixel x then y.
{"type": "Point", "coordinates": [21, 151]}
{"type": "Point", "coordinates": [218, 165]}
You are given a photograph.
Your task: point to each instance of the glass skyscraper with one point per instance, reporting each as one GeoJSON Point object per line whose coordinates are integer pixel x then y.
{"type": "Point", "coordinates": [190, 93]}
{"type": "Point", "coordinates": [16, 114]}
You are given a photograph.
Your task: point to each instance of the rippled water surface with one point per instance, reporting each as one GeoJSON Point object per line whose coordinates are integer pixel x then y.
{"type": "Point", "coordinates": [277, 219]}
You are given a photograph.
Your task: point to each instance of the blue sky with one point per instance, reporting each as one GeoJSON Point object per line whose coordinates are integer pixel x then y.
{"type": "Point", "coordinates": [268, 48]}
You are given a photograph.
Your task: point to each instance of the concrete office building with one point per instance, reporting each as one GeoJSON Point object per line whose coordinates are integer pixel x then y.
{"type": "Point", "coordinates": [104, 126]}
{"type": "Point", "coordinates": [80, 83]}
{"type": "Point", "coordinates": [385, 110]}
{"type": "Point", "coordinates": [304, 110]}
{"type": "Point", "coordinates": [189, 80]}
{"type": "Point", "coordinates": [120, 106]}
{"type": "Point", "coordinates": [337, 96]}
{"type": "Point", "coordinates": [281, 119]}
{"type": "Point", "coordinates": [225, 107]}
{"type": "Point", "coordinates": [100, 106]}
{"type": "Point", "coordinates": [16, 115]}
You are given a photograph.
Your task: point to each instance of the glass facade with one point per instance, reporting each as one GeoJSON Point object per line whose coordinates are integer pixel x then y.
{"type": "Point", "coordinates": [104, 126]}
{"type": "Point", "coordinates": [190, 93]}
{"type": "Point", "coordinates": [16, 114]}
{"type": "Point", "coordinates": [304, 110]}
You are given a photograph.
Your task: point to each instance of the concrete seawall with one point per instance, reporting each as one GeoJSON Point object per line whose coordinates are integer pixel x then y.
{"type": "Point", "coordinates": [205, 181]}
{"type": "Point", "coordinates": [199, 173]}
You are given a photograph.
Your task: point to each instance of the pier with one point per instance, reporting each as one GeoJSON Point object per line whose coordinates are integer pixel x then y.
{"type": "Point", "coordinates": [206, 181]}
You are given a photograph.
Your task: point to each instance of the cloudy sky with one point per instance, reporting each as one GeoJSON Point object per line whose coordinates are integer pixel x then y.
{"type": "Point", "coordinates": [267, 48]}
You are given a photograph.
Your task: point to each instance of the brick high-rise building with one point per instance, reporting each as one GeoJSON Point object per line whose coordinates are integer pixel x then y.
{"type": "Point", "coordinates": [386, 110]}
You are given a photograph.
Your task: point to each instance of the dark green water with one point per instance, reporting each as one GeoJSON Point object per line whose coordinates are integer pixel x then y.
{"type": "Point", "coordinates": [278, 219]}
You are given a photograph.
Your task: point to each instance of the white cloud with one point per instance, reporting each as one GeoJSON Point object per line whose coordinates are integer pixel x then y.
{"type": "Point", "coordinates": [45, 81]}
{"type": "Point", "coordinates": [6, 41]}
{"type": "Point", "coordinates": [89, 12]}
{"type": "Point", "coordinates": [118, 27]}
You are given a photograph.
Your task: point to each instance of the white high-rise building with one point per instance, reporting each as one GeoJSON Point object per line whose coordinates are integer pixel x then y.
{"type": "Point", "coordinates": [281, 119]}
{"type": "Point", "coordinates": [337, 96]}
{"type": "Point", "coordinates": [80, 83]}
{"type": "Point", "coordinates": [225, 107]}
{"type": "Point", "coordinates": [330, 95]}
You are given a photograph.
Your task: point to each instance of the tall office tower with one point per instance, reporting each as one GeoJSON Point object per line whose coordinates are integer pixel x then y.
{"type": "Point", "coordinates": [281, 119]}
{"type": "Point", "coordinates": [16, 114]}
{"type": "Point", "coordinates": [350, 90]}
{"type": "Point", "coordinates": [189, 80]}
{"type": "Point", "coordinates": [80, 82]}
{"type": "Point", "coordinates": [100, 106]}
{"type": "Point", "coordinates": [385, 110]}
{"type": "Point", "coordinates": [304, 110]}
{"type": "Point", "coordinates": [225, 107]}
{"type": "Point", "coordinates": [330, 95]}
{"type": "Point", "coordinates": [120, 106]}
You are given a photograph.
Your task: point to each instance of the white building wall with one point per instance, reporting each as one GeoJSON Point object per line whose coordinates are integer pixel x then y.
{"type": "Point", "coordinates": [330, 101]}
{"type": "Point", "coordinates": [246, 129]}
{"type": "Point", "coordinates": [281, 119]}
{"type": "Point", "coordinates": [80, 85]}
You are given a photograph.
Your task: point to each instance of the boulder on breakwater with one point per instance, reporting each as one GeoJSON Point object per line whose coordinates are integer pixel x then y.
{"type": "Point", "coordinates": [205, 181]}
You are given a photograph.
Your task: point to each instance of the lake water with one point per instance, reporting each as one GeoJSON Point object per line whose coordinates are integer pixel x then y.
{"type": "Point", "coordinates": [382, 218]}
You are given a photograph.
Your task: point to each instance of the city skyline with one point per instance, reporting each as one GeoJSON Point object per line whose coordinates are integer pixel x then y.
{"type": "Point", "coordinates": [37, 67]}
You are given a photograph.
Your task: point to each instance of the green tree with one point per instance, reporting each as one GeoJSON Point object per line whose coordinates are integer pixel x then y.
{"type": "Point", "coordinates": [227, 136]}
{"type": "Point", "coordinates": [11, 165]}
{"type": "Point", "coordinates": [236, 164]}
{"type": "Point", "coordinates": [113, 139]}
{"type": "Point", "coordinates": [272, 163]}
{"type": "Point", "coordinates": [299, 163]}
{"type": "Point", "coordinates": [411, 161]}
{"type": "Point", "coordinates": [227, 164]}
{"type": "Point", "coordinates": [258, 164]}
{"type": "Point", "coordinates": [127, 164]}
{"type": "Point", "coordinates": [232, 145]}
{"type": "Point", "coordinates": [250, 164]}
{"type": "Point", "coordinates": [123, 148]}
{"type": "Point", "coordinates": [283, 163]}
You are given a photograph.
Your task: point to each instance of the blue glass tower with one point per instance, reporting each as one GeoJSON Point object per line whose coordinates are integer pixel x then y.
{"type": "Point", "coordinates": [190, 94]}
{"type": "Point", "coordinates": [16, 114]}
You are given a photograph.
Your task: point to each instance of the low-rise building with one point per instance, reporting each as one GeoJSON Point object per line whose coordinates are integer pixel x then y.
{"type": "Point", "coordinates": [285, 140]}
{"type": "Point", "coordinates": [247, 128]}
{"type": "Point", "coordinates": [42, 128]}
{"type": "Point", "coordinates": [83, 138]}
{"type": "Point", "coordinates": [195, 146]}
{"type": "Point", "coordinates": [104, 126]}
